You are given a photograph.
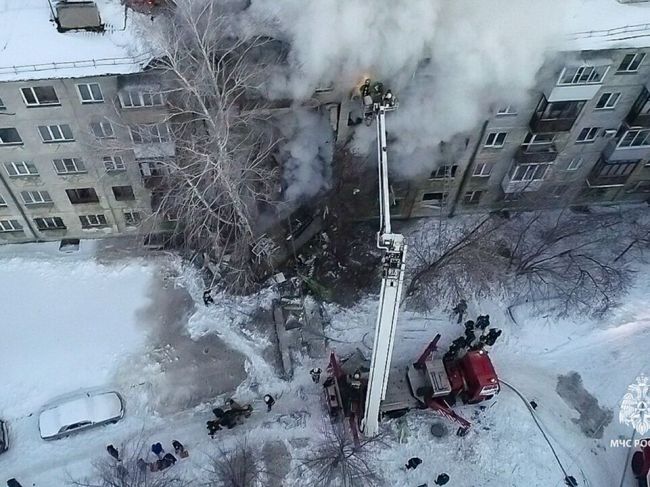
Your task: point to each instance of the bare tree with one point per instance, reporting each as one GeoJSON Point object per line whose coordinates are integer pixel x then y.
{"type": "Point", "coordinates": [452, 259]}
{"type": "Point", "coordinates": [223, 173]}
{"type": "Point", "coordinates": [338, 461]}
{"type": "Point", "coordinates": [129, 472]}
{"type": "Point", "coordinates": [240, 466]}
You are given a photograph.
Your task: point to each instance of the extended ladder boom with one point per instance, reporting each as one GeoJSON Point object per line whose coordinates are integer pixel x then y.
{"type": "Point", "coordinates": [394, 246]}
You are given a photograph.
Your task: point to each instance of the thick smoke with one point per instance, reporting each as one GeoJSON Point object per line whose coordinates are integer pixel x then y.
{"type": "Point", "coordinates": [448, 61]}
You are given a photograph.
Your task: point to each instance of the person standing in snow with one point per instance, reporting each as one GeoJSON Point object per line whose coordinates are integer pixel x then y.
{"type": "Point", "coordinates": [482, 322]}
{"type": "Point", "coordinates": [315, 375]}
{"type": "Point", "coordinates": [413, 463]}
{"type": "Point", "coordinates": [207, 297]}
{"type": "Point", "coordinates": [269, 401]}
{"type": "Point", "coordinates": [157, 449]}
{"type": "Point", "coordinates": [492, 336]}
{"type": "Point", "coordinates": [112, 451]}
{"type": "Point", "coordinates": [460, 309]}
{"type": "Point", "coordinates": [442, 479]}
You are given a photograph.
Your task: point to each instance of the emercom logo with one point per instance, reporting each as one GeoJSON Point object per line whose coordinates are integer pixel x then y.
{"type": "Point", "coordinates": [634, 407]}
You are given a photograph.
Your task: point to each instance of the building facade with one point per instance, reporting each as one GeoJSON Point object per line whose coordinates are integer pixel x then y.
{"type": "Point", "coordinates": [584, 138]}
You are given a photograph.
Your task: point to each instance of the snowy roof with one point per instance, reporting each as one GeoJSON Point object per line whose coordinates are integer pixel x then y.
{"type": "Point", "coordinates": [31, 47]}
{"type": "Point", "coordinates": [607, 24]}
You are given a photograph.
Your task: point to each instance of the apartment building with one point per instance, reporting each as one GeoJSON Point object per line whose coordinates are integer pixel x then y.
{"type": "Point", "coordinates": [81, 123]}
{"type": "Point", "coordinates": [583, 138]}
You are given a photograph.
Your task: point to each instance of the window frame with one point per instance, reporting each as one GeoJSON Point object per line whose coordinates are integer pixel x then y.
{"type": "Point", "coordinates": [115, 166]}
{"type": "Point", "coordinates": [44, 197]}
{"type": "Point", "coordinates": [80, 166]}
{"type": "Point", "coordinates": [140, 99]}
{"type": "Point", "coordinates": [576, 79]}
{"type": "Point", "coordinates": [574, 167]}
{"type": "Point", "coordinates": [631, 145]}
{"type": "Point", "coordinates": [92, 98]}
{"type": "Point", "coordinates": [145, 133]}
{"type": "Point", "coordinates": [587, 139]}
{"type": "Point", "coordinates": [133, 221]}
{"type": "Point", "coordinates": [102, 126]}
{"type": "Point", "coordinates": [447, 172]}
{"type": "Point", "coordinates": [37, 102]}
{"type": "Point", "coordinates": [471, 200]}
{"type": "Point", "coordinates": [482, 173]}
{"type": "Point", "coordinates": [495, 144]}
{"type": "Point", "coordinates": [14, 226]}
{"type": "Point", "coordinates": [506, 111]}
{"type": "Point", "coordinates": [89, 201]}
{"type": "Point", "coordinates": [49, 219]}
{"type": "Point", "coordinates": [87, 223]}
{"type": "Point", "coordinates": [2, 140]}
{"type": "Point", "coordinates": [3, 202]}
{"type": "Point", "coordinates": [632, 61]}
{"type": "Point", "coordinates": [606, 105]}
{"type": "Point", "coordinates": [61, 127]}
{"type": "Point", "coordinates": [28, 165]}
{"type": "Point", "coordinates": [530, 172]}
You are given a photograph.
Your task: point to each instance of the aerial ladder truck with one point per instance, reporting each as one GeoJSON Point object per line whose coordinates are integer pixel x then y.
{"type": "Point", "coordinates": [428, 382]}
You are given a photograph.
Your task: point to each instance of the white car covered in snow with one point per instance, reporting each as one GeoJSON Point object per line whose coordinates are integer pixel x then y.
{"type": "Point", "coordinates": [77, 413]}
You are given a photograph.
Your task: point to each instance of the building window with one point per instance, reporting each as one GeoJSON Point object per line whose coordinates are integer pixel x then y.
{"type": "Point", "coordinates": [10, 136]}
{"type": "Point", "coordinates": [482, 169]}
{"type": "Point", "coordinates": [10, 226]}
{"type": "Point", "coordinates": [587, 135]}
{"type": "Point", "coordinates": [635, 138]}
{"type": "Point", "coordinates": [495, 139]}
{"type": "Point", "coordinates": [70, 165]}
{"type": "Point", "coordinates": [149, 134]}
{"type": "Point", "coordinates": [433, 200]}
{"type": "Point", "coordinates": [49, 223]}
{"type": "Point", "coordinates": [56, 133]}
{"type": "Point", "coordinates": [153, 168]}
{"type": "Point", "coordinates": [2, 105]}
{"type": "Point", "coordinates": [3, 203]}
{"type": "Point", "coordinates": [631, 63]}
{"type": "Point", "coordinates": [90, 93]}
{"type": "Point", "coordinates": [621, 168]}
{"type": "Point", "coordinates": [529, 172]}
{"type": "Point", "coordinates": [607, 101]}
{"type": "Point", "coordinates": [102, 130]}
{"type": "Point", "coordinates": [123, 193]}
{"type": "Point", "coordinates": [90, 221]}
{"type": "Point", "coordinates": [443, 172]}
{"type": "Point", "coordinates": [35, 197]}
{"type": "Point", "coordinates": [39, 95]}
{"type": "Point", "coordinates": [114, 163]}
{"type": "Point", "coordinates": [582, 75]}
{"type": "Point", "coordinates": [472, 197]}
{"type": "Point", "coordinates": [575, 164]}
{"type": "Point", "coordinates": [506, 110]}
{"type": "Point", "coordinates": [132, 218]}
{"type": "Point", "coordinates": [82, 195]}
{"type": "Point", "coordinates": [137, 99]}
{"type": "Point", "coordinates": [538, 139]}
{"type": "Point", "coordinates": [21, 168]}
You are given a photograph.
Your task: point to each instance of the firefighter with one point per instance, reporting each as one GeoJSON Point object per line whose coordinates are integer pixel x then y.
{"type": "Point", "coordinates": [355, 381]}
{"type": "Point", "coordinates": [389, 99]}
{"type": "Point", "coordinates": [269, 401]}
{"type": "Point", "coordinates": [365, 88]}
{"type": "Point", "coordinates": [492, 336]}
{"type": "Point", "coordinates": [460, 342]}
{"type": "Point", "coordinates": [470, 335]}
{"type": "Point", "coordinates": [482, 322]}
{"type": "Point", "coordinates": [315, 374]}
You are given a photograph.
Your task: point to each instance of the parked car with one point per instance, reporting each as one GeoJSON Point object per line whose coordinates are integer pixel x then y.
{"type": "Point", "coordinates": [77, 413]}
{"type": "Point", "coordinates": [4, 437]}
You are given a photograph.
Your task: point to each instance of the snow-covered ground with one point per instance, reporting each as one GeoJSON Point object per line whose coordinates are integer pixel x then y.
{"type": "Point", "coordinates": [77, 321]}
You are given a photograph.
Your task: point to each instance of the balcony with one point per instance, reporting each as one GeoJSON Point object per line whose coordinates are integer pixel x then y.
{"type": "Point", "coordinates": [509, 186]}
{"type": "Point", "coordinates": [639, 115]}
{"type": "Point", "coordinates": [525, 177]}
{"type": "Point", "coordinates": [607, 174]}
{"type": "Point", "coordinates": [558, 116]}
{"type": "Point", "coordinates": [540, 125]}
{"type": "Point", "coordinates": [612, 153]}
{"type": "Point", "coordinates": [536, 153]}
{"type": "Point", "coordinates": [153, 182]}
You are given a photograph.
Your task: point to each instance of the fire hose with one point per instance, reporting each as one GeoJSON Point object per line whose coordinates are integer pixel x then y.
{"type": "Point", "coordinates": [568, 480]}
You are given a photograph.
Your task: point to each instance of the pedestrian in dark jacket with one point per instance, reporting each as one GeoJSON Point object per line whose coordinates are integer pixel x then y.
{"type": "Point", "coordinates": [178, 447]}
{"type": "Point", "coordinates": [171, 459]}
{"type": "Point", "coordinates": [112, 451]}
{"type": "Point", "coordinates": [269, 401]}
{"type": "Point", "coordinates": [482, 322]}
{"type": "Point", "coordinates": [460, 310]}
{"type": "Point", "coordinates": [142, 465]}
{"type": "Point", "coordinates": [315, 374]}
{"type": "Point", "coordinates": [442, 479]}
{"type": "Point", "coordinates": [157, 449]}
{"type": "Point", "coordinates": [413, 463]}
{"type": "Point", "coordinates": [207, 297]}
{"type": "Point", "coordinates": [13, 483]}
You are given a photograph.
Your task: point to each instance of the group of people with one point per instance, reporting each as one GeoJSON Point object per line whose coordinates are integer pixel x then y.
{"type": "Point", "coordinates": [164, 459]}
{"type": "Point", "coordinates": [415, 462]}
{"type": "Point", "coordinates": [477, 335]}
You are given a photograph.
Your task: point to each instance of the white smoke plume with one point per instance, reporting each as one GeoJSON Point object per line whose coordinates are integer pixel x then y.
{"type": "Point", "coordinates": [468, 55]}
